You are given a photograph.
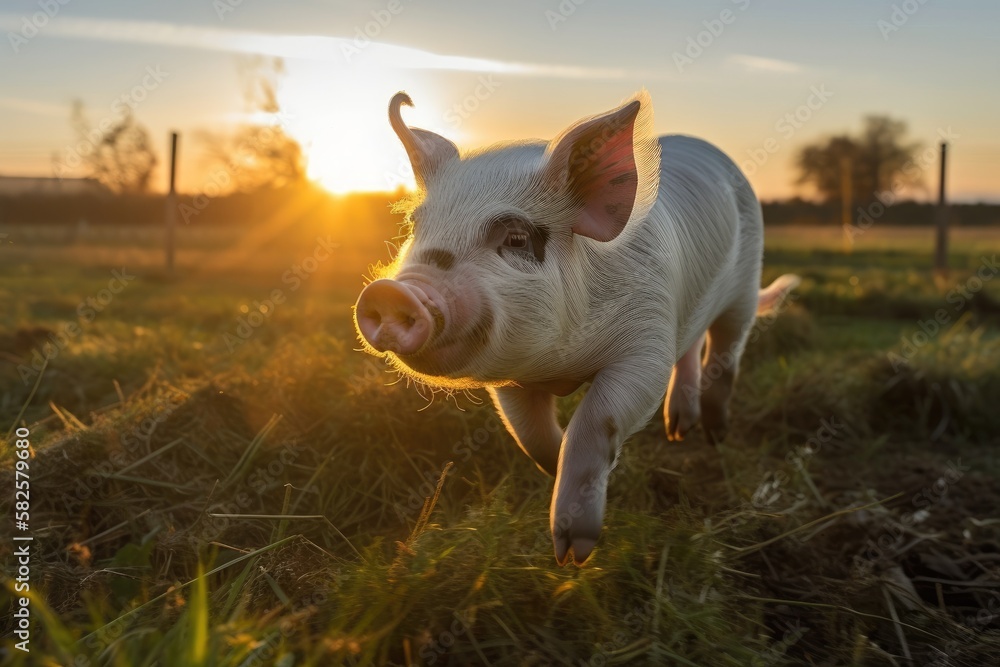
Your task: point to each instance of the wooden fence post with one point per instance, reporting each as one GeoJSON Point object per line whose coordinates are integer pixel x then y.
{"type": "Point", "coordinates": [171, 212]}
{"type": "Point", "coordinates": [846, 202]}
{"type": "Point", "coordinates": [941, 245]}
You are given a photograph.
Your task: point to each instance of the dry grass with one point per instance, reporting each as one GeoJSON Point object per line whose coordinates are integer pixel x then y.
{"type": "Point", "coordinates": [284, 504]}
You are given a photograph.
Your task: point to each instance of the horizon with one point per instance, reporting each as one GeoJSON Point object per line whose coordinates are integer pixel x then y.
{"type": "Point", "coordinates": [735, 73]}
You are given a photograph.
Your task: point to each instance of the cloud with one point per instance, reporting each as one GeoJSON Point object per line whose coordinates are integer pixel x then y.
{"type": "Point", "coordinates": [341, 50]}
{"type": "Point", "coordinates": [35, 107]}
{"type": "Point", "coordinates": [758, 64]}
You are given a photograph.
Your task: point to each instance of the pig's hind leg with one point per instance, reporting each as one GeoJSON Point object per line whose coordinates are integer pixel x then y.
{"type": "Point", "coordinates": [682, 409]}
{"type": "Point", "coordinates": [530, 416]}
{"type": "Point", "coordinates": [726, 339]}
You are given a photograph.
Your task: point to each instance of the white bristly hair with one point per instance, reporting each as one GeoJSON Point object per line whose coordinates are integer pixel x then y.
{"type": "Point", "coordinates": [648, 242]}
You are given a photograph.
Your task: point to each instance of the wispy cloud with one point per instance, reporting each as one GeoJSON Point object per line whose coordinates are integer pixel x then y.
{"type": "Point", "coordinates": [310, 47]}
{"type": "Point", "coordinates": [34, 107]}
{"type": "Point", "coordinates": [758, 64]}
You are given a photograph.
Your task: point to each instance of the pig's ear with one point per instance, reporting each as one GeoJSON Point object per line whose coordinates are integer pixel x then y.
{"type": "Point", "coordinates": [427, 151]}
{"type": "Point", "coordinates": [610, 164]}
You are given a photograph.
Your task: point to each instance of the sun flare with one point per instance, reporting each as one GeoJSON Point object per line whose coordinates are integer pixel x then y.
{"type": "Point", "coordinates": [347, 140]}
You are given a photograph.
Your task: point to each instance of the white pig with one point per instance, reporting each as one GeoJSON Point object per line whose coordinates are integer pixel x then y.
{"type": "Point", "coordinates": [602, 256]}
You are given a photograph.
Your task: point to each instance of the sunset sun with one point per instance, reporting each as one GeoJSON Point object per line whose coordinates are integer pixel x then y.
{"type": "Point", "coordinates": [346, 137]}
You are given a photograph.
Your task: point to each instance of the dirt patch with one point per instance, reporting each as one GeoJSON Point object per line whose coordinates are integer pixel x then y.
{"type": "Point", "coordinates": [299, 574]}
{"type": "Point", "coordinates": [929, 558]}
{"type": "Point", "coordinates": [23, 341]}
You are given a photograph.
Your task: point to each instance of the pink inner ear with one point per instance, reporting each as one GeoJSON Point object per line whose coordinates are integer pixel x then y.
{"type": "Point", "coordinates": [602, 174]}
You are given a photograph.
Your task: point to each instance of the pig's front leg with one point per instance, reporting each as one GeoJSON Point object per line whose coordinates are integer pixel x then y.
{"type": "Point", "coordinates": [620, 401]}
{"type": "Point", "coordinates": [530, 416]}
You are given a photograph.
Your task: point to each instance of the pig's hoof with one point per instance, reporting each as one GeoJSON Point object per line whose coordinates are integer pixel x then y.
{"type": "Point", "coordinates": [581, 547]}
{"type": "Point", "coordinates": [715, 421]}
{"type": "Point", "coordinates": [681, 418]}
{"type": "Point", "coordinates": [577, 510]}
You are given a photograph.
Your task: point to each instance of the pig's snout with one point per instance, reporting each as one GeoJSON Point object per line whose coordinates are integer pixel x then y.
{"type": "Point", "coordinates": [392, 318]}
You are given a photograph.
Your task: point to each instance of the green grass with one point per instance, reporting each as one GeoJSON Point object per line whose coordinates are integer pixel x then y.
{"type": "Point", "coordinates": [850, 518]}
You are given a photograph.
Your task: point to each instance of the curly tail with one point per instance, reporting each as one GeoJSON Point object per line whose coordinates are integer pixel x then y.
{"type": "Point", "coordinates": [773, 296]}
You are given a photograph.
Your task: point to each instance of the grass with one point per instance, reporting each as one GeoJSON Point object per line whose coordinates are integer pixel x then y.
{"type": "Point", "coordinates": [198, 498]}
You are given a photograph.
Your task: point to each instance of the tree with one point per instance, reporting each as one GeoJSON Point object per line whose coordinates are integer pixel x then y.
{"type": "Point", "coordinates": [259, 155]}
{"type": "Point", "coordinates": [117, 152]}
{"type": "Point", "coordinates": [878, 159]}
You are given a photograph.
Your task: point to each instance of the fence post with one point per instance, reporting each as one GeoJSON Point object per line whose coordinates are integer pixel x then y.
{"type": "Point", "coordinates": [941, 246]}
{"type": "Point", "coordinates": [171, 212]}
{"type": "Point", "coordinates": [846, 201]}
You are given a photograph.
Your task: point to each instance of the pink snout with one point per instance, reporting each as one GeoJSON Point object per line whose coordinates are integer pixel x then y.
{"type": "Point", "coordinates": [391, 317]}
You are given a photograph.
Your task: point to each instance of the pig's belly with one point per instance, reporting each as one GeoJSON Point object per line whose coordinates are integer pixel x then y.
{"type": "Point", "coordinates": [557, 387]}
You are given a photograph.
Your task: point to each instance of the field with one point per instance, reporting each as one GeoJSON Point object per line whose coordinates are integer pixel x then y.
{"type": "Point", "coordinates": [219, 478]}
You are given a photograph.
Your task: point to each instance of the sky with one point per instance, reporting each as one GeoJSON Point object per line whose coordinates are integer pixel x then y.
{"type": "Point", "coordinates": [758, 78]}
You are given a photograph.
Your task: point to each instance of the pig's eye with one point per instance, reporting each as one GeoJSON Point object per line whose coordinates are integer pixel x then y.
{"type": "Point", "coordinates": [519, 239]}
{"type": "Point", "coordinates": [516, 233]}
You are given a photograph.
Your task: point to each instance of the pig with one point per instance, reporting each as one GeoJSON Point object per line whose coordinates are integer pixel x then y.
{"type": "Point", "coordinates": [607, 256]}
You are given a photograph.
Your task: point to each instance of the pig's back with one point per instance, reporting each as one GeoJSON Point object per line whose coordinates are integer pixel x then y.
{"type": "Point", "coordinates": [717, 223]}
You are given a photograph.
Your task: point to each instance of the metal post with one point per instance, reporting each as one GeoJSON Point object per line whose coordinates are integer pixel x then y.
{"type": "Point", "coordinates": [941, 246]}
{"type": "Point", "coordinates": [171, 213]}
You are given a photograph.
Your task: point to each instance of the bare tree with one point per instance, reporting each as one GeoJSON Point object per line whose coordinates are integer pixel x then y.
{"type": "Point", "coordinates": [118, 152]}
{"type": "Point", "coordinates": [876, 160]}
{"type": "Point", "coordinates": [259, 155]}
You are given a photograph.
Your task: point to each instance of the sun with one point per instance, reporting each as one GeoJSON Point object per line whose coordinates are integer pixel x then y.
{"type": "Point", "coordinates": [344, 128]}
{"type": "Point", "coordinates": [343, 162]}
